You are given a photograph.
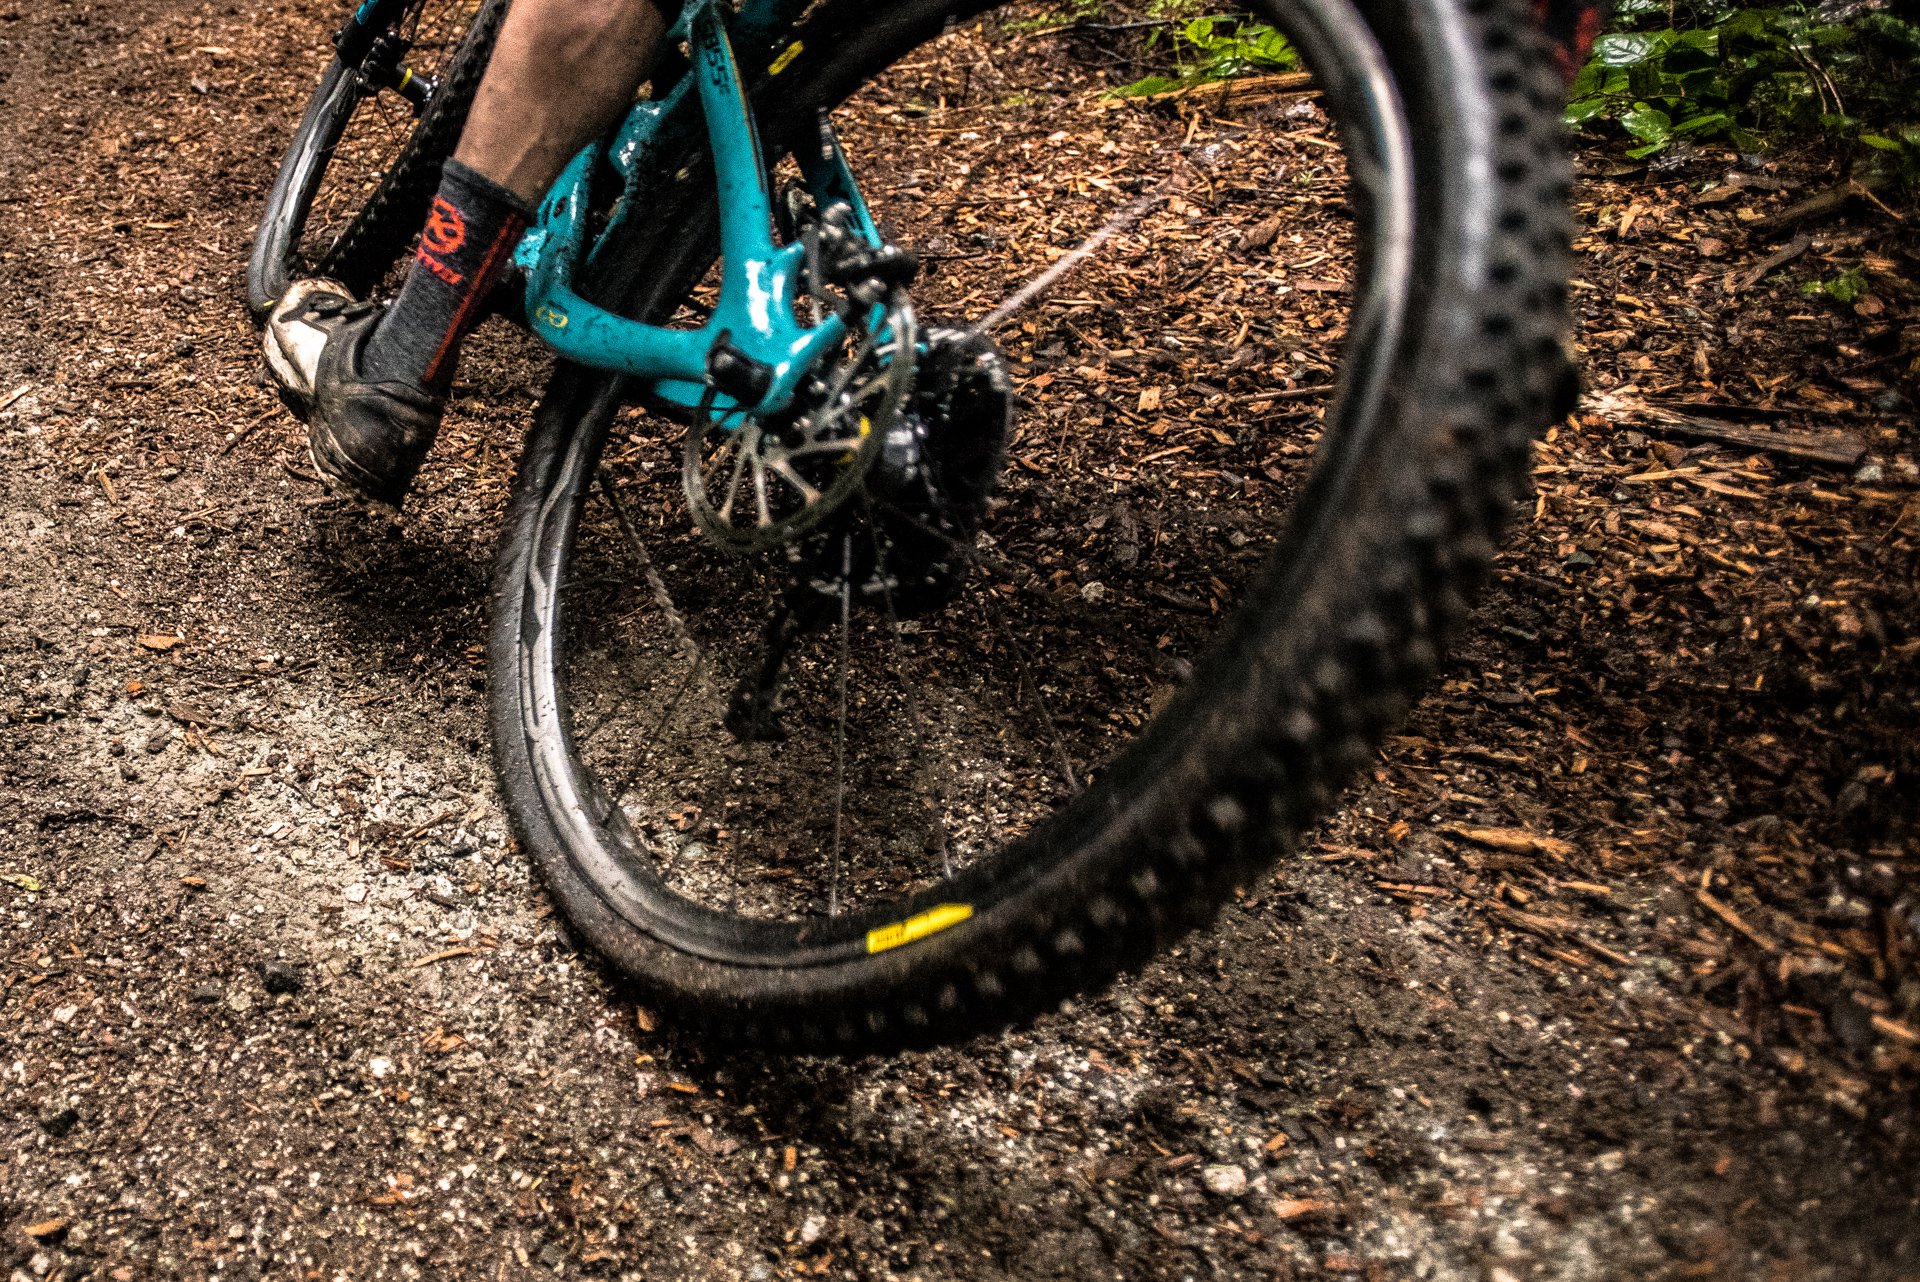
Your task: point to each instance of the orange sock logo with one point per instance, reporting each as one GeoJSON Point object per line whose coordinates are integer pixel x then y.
{"type": "Point", "coordinates": [445, 232]}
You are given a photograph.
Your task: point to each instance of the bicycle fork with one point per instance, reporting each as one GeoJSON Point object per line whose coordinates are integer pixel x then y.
{"type": "Point", "coordinates": [369, 41]}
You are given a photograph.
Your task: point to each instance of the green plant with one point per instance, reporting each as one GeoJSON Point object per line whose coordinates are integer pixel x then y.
{"type": "Point", "coordinates": [1899, 151]}
{"type": "Point", "coordinates": [1847, 288]}
{"type": "Point", "coordinates": [1065, 16]}
{"type": "Point", "coordinates": [1213, 48]}
{"type": "Point", "coordinates": [1747, 73]}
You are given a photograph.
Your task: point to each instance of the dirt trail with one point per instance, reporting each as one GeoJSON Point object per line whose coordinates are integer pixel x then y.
{"type": "Point", "coordinates": [277, 999]}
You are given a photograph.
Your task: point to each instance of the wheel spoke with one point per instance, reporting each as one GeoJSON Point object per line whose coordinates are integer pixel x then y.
{"type": "Point", "coordinates": [840, 725]}
{"type": "Point", "coordinates": [676, 624]}
{"type": "Point", "coordinates": [676, 621]}
{"type": "Point", "coordinates": [784, 470]}
{"type": "Point", "coordinates": [1019, 575]}
{"type": "Point", "coordinates": [943, 846]}
{"type": "Point", "coordinates": [1032, 684]}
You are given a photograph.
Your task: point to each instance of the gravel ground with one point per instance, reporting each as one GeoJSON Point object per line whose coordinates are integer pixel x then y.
{"type": "Point", "coordinates": [278, 998]}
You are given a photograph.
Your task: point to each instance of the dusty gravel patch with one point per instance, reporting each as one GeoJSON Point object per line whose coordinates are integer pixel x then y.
{"type": "Point", "coordinates": [279, 999]}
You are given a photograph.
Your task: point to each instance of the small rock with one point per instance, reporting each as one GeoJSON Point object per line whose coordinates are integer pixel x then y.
{"type": "Point", "coordinates": [810, 1230]}
{"type": "Point", "coordinates": [356, 893]}
{"type": "Point", "coordinates": [1093, 593]}
{"type": "Point", "coordinates": [1851, 1024]}
{"type": "Point", "coordinates": [207, 994]}
{"type": "Point", "coordinates": [280, 977]}
{"type": "Point", "coordinates": [379, 1066]}
{"type": "Point", "coordinates": [552, 1256]}
{"type": "Point", "coordinates": [1224, 1181]}
{"type": "Point", "coordinates": [1869, 474]}
{"type": "Point", "coordinates": [58, 1124]}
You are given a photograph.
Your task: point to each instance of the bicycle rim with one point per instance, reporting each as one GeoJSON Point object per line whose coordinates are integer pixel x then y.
{"type": "Point", "coordinates": [1131, 703]}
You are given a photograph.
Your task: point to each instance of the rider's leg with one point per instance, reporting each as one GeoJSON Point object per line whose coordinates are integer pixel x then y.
{"type": "Point", "coordinates": [561, 73]}
{"type": "Point", "coordinates": [373, 386]}
{"type": "Point", "coordinates": [521, 131]}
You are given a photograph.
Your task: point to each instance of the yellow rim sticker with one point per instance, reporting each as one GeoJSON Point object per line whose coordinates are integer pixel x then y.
{"type": "Point", "coordinates": [918, 926]}
{"type": "Point", "coordinates": [785, 59]}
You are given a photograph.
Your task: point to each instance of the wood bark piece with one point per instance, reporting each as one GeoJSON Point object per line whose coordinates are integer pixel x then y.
{"type": "Point", "coordinates": [1514, 841]}
{"type": "Point", "coordinates": [1771, 263]}
{"type": "Point", "coordinates": [1824, 204]}
{"type": "Point", "coordinates": [1841, 449]}
{"type": "Point", "coordinates": [1726, 914]}
{"type": "Point", "coordinates": [1223, 91]}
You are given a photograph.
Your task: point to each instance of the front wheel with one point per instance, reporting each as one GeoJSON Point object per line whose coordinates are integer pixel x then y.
{"type": "Point", "coordinates": [845, 797]}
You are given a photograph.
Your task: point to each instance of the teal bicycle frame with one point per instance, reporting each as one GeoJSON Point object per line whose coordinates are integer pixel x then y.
{"type": "Point", "coordinates": [755, 317]}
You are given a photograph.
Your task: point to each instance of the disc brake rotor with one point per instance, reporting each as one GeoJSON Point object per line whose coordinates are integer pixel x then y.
{"type": "Point", "coordinates": [756, 483]}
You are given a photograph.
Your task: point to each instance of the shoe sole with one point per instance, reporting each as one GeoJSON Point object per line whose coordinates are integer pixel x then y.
{"type": "Point", "coordinates": [331, 477]}
{"type": "Point", "coordinates": [348, 490]}
{"type": "Point", "coordinates": [342, 479]}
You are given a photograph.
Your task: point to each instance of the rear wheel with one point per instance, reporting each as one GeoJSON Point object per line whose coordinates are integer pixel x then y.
{"type": "Point", "coordinates": [939, 763]}
{"type": "Point", "coordinates": [363, 165]}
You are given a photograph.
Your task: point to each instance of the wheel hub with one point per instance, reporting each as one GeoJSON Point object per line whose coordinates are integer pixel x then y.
{"type": "Point", "coordinates": [926, 495]}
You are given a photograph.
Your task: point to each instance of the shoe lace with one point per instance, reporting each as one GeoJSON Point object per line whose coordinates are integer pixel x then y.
{"type": "Point", "coordinates": [333, 306]}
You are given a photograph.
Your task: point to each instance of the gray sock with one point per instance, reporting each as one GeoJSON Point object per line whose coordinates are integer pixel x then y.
{"type": "Point", "coordinates": [468, 242]}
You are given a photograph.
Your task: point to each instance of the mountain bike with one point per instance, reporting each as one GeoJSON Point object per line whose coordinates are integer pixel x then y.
{"type": "Point", "coordinates": [900, 706]}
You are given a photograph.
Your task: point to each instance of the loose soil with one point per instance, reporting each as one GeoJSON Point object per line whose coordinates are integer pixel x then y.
{"type": "Point", "coordinates": [1608, 969]}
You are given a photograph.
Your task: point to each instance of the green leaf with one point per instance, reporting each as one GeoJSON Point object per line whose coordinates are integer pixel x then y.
{"type": "Point", "coordinates": [1584, 111]}
{"type": "Point", "coordinates": [1649, 124]}
{"type": "Point", "coordinates": [31, 885]}
{"type": "Point", "coordinates": [1625, 50]}
{"type": "Point", "coordinates": [1646, 81]}
{"type": "Point", "coordinates": [1141, 88]}
{"type": "Point", "coordinates": [1709, 123]}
